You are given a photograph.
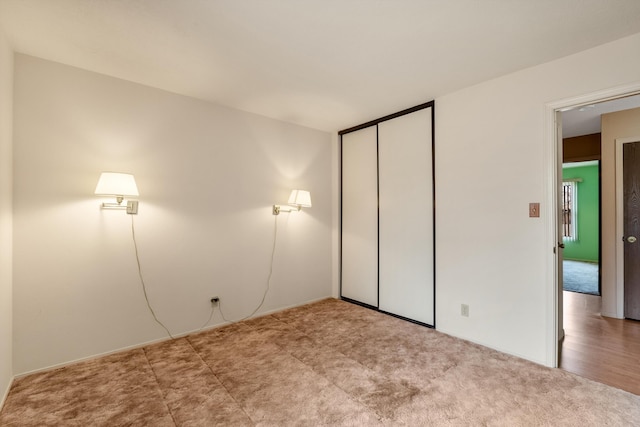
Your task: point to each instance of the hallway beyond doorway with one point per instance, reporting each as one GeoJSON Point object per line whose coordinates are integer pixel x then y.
{"type": "Point", "coordinates": [600, 348]}
{"type": "Point", "coordinates": [580, 276]}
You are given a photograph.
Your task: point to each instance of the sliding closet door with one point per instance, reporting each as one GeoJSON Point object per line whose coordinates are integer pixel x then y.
{"type": "Point", "coordinates": [406, 216]}
{"type": "Point", "coordinates": [360, 216]}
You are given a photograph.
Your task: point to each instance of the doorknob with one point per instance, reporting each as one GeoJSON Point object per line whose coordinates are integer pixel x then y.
{"type": "Point", "coordinates": [561, 245]}
{"type": "Point", "coordinates": [631, 239]}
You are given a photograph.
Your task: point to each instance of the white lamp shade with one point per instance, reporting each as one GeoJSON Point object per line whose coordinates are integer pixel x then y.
{"type": "Point", "coordinates": [116, 184]}
{"type": "Point", "coordinates": [300, 198]}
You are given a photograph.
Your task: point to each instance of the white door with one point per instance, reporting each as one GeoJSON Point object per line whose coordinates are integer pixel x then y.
{"type": "Point", "coordinates": [406, 216]}
{"type": "Point", "coordinates": [360, 216]}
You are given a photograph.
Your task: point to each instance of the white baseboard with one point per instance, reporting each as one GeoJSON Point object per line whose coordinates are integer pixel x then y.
{"type": "Point", "coordinates": [499, 349]}
{"type": "Point", "coordinates": [3, 398]}
{"type": "Point", "coordinates": [144, 344]}
{"type": "Point", "coordinates": [612, 315]}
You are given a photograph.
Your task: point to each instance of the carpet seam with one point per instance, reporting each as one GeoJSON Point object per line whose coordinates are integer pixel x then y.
{"type": "Point", "coordinates": [380, 417]}
{"type": "Point", "coordinates": [492, 387]}
{"type": "Point", "coordinates": [348, 394]}
{"type": "Point", "coordinates": [220, 381]}
{"type": "Point", "coordinates": [162, 393]}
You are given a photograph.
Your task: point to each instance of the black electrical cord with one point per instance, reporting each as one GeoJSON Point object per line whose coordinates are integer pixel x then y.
{"type": "Point", "coordinates": [155, 317]}
{"type": "Point", "coordinates": [144, 287]}
{"type": "Point", "coordinates": [264, 296]}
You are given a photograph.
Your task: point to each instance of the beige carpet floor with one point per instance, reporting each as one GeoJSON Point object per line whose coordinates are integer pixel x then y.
{"type": "Point", "coordinates": [327, 363]}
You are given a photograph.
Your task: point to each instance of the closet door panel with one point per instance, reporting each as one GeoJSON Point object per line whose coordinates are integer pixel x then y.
{"type": "Point", "coordinates": [406, 216]}
{"type": "Point", "coordinates": [360, 216]}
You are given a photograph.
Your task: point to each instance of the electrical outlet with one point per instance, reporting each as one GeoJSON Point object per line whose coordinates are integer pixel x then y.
{"type": "Point", "coordinates": [464, 310]}
{"type": "Point", "coordinates": [215, 300]}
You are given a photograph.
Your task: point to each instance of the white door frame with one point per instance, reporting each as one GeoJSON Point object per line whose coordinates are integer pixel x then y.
{"type": "Point", "coordinates": [551, 185]}
{"type": "Point", "coordinates": [620, 224]}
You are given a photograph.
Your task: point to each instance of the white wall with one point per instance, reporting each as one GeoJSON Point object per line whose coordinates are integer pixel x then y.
{"type": "Point", "coordinates": [207, 177]}
{"type": "Point", "coordinates": [491, 150]}
{"type": "Point", "coordinates": [6, 123]}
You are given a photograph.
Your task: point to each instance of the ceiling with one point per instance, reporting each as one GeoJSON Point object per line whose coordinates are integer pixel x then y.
{"type": "Point", "coordinates": [585, 120]}
{"type": "Point", "coordinates": [326, 64]}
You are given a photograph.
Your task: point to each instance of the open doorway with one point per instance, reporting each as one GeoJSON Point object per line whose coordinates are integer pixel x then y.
{"type": "Point", "coordinates": [590, 312]}
{"type": "Point", "coordinates": [581, 214]}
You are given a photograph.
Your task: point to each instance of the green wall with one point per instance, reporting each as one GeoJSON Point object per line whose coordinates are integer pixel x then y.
{"type": "Point", "coordinates": [586, 247]}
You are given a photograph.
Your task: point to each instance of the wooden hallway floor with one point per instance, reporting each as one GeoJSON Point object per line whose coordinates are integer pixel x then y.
{"type": "Point", "coordinates": [600, 348]}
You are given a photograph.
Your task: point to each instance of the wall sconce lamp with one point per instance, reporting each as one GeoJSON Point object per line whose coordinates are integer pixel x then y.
{"type": "Point", "coordinates": [297, 200]}
{"type": "Point", "coordinates": [118, 185]}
